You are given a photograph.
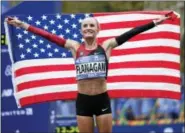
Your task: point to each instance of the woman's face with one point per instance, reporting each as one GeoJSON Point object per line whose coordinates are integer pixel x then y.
{"type": "Point", "coordinates": [89, 28]}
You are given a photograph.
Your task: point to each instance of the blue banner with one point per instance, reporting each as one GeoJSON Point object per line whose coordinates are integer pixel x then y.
{"type": "Point", "coordinates": [168, 128]}
{"type": "Point", "coordinates": [35, 118]}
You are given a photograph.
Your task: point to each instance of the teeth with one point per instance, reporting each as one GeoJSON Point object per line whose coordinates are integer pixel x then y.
{"type": "Point", "coordinates": [88, 31]}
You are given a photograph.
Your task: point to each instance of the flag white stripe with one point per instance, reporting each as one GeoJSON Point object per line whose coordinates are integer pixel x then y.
{"type": "Point", "coordinates": [146, 57]}
{"type": "Point", "coordinates": [113, 86]}
{"type": "Point", "coordinates": [44, 75]}
{"type": "Point", "coordinates": [125, 17]}
{"type": "Point", "coordinates": [144, 86]}
{"type": "Point", "coordinates": [112, 72]}
{"type": "Point", "coordinates": [113, 59]}
{"type": "Point", "coordinates": [144, 71]}
{"type": "Point", "coordinates": [43, 62]}
{"type": "Point", "coordinates": [160, 28]}
{"type": "Point", "coordinates": [48, 89]}
{"type": "Point", "coordinates": [148, 43]}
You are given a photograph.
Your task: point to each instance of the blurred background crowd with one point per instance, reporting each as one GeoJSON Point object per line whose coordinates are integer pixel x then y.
{"type": "Point", "coordinates": [136, 111]}
{"type": "Point", "coordinates": [149, 111]}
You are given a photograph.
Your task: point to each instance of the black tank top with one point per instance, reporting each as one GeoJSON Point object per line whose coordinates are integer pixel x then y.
{"type": "Point", "coordinates": [91, 63]}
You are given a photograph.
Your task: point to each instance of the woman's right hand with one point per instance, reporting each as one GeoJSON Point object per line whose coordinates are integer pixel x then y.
{"type": "Point", "coordinates": [16, 22]}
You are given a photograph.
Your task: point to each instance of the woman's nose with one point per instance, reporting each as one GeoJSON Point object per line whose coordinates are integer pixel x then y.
{"type": "Point", "coordinates": [89, 27]}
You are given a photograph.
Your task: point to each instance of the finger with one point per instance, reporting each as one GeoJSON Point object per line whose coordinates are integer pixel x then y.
{"type": "Point", "coordinates": [168, 17]}
{"type": "Point", "coordinates": [15, 18]}
{"type": "Point", "coordinates": [169, 14]}
{"type": "Point", "coordinates": [10, 18]}
{"type": "Point", "coordinates": [6, 20]}
{"type": "Point", "coordinates": [11, 22]}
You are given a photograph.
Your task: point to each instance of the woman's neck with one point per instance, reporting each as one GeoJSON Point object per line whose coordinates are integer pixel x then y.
{"type": "Point", "coordinates": [90, 44]}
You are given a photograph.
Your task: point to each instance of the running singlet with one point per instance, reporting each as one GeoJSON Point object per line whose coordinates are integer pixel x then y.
{"type": "Point", "coordinates": [91, 63]}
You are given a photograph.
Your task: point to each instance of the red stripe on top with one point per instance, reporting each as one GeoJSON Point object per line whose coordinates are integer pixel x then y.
{"type": "Point", "coordinates": [132, 24]}
{"type": "Point", "coordinates": [126, 93]}
{"type": "Point", "coordinates": [139, 37]}
{"type": "Point", "coordinates": [134, 12]}
{"type": "Point", "coordinates": [147, 50]}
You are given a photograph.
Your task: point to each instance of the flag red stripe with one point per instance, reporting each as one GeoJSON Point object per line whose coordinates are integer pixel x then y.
{"type": "Point", "coordinates": [45, 82]}
{"type": "Point", "coordinates": [144, 78]}
{"type": "Point", "coordinates": [156, 35]}
{"type": "Point", "coordinates": [111, 79]}
{"type": "Point", "coordinates": [45, 68]}
{"type": "Point", "coordinates": [113, 94]}
{"type": "Point", "coordinates": [134, 12]}
{"type": "Point", "coordinates": [48, 97]}
{"type": "Point", "coordinates": [132, 24]}
{"type": "Point", "coordinates": [151, 49]}
{"type": "Point", "coordinates": [145, 64]}
{"type": "Point", "coordinates": [130, 64]}
{"type": "Point", "coordinates": [130, 93]}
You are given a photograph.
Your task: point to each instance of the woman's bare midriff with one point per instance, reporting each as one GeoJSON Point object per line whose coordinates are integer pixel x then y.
{"type": "Point", "coordinates": [92, 86]}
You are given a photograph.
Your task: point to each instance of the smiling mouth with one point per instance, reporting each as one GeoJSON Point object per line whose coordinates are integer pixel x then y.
{"type": "Point", "coordinates": [88, 31]}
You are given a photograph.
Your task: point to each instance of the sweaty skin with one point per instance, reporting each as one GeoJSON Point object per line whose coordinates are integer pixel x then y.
{"type": "Point", "coordinates": [92, 86]}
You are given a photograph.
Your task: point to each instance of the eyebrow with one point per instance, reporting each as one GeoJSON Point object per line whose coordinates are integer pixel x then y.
{"type": "Point", "coordinates": [89, 23]}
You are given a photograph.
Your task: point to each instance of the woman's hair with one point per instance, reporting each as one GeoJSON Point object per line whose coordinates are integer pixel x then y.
{"type": "Point", "coordinates": [98, 24]}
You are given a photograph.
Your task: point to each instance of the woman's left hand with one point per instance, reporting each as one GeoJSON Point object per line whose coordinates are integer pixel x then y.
{"type": "Point", "coordinates": [160, 20]}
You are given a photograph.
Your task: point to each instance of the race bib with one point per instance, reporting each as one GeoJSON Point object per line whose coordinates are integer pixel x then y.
{"type": "Point", "coordinates": [93, 66]}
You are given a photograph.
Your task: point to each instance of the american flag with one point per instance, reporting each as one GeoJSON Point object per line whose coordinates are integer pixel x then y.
{"type": "Point", "coordinates": [147, 65]}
